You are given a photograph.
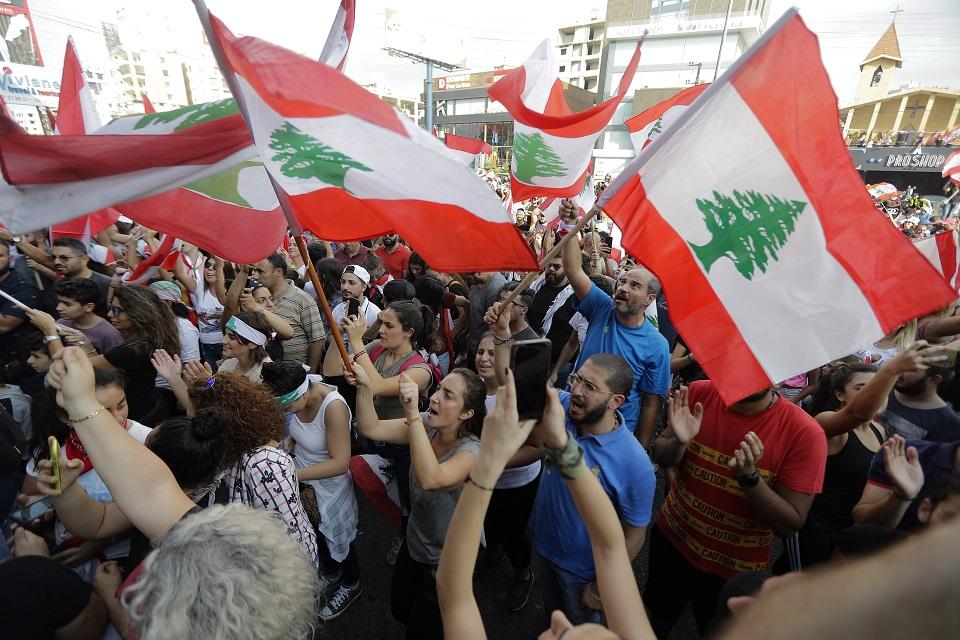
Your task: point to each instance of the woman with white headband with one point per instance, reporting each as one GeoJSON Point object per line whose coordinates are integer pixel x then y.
{"type": "Point", "coordinates": [245, 339]}
{"type": "Point", "coordinates": [319, 423]}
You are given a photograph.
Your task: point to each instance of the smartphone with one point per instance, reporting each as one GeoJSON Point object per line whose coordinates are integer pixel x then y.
{"type": "Point", "coordinates": [530, 361]}
{"type": "Point", "coordinates": [31, 512]}
{"type": "Point", "coordinates": [55, 461]}
{"type": "Point", "coordinates": [353, 307]}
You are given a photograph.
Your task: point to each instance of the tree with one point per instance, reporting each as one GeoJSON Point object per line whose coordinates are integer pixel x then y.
{"type": "Point", "coordinates": [532, 157]}
{"type": "Point", "coordinates": [749, 229]}
{"type": "Point", "coordinates": [304, 157]}
{"type": "Point", "coordinates": [224, 186]}
{"type": "Point", "coordinates": [195, 114]}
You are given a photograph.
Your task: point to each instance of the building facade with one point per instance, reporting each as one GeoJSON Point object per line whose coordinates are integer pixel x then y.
{"type": "Point", "coordinates": [579, 50]}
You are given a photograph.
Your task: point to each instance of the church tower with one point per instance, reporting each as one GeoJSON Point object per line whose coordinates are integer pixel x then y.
{"type": "Point", "coordinates": [876, 70]}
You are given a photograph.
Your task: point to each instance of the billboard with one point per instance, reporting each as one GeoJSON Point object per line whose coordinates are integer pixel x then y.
{"type": "Point", "coordinates": [413, 33]}
{"type": "Point", "coordinates": [18, 38]}
{"type": "Point", "coordinates": [28, 85]}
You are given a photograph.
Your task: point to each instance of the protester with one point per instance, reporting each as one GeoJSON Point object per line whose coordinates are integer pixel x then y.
{"type": "Point", "coordinates": [519, 328]}
{"type": "Point", "coordinates": [72, 263]}
{"type": "Point", "coordinates": [13, 328]}
{"type": "Point", "coordinates": [76, 302]}
{"type": "Point", "coordinates": [552, 307]}
{"type": "Point", "coordinates": [416, 267]}
{"type": "Point", "coordinates": [197, 582]}
{"type": "Point", "coordinates": [320, 436]}
{"type": "Point", "coordinates": [443, 448]}
{"type": "Point", "coordinates": [170, 293]}
{"type": "Point", "coordinates": [484, 291]}
{"type": "Point", "coordinates": [297, 308]}
{"type": "Point", "coordinates": [394, 255]}
{"type": "Point", "coordinates": [619, 326]}
{"type": "Point", "coordinates": [245, 340]}
{"type": "Point", "coordinates": [205, 284]}
{"type": "Point", "coordinates": [351, 253]}
{"type": "Point", "coordinates": [915, 411]}
{"type": "Point", "coordinates": [754, 467]}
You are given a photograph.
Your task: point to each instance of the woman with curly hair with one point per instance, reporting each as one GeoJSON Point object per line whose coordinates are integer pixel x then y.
{"type": "Point", "coordinates": [259, 473]}
{"type": "Point", "coordinates": [146, 324]}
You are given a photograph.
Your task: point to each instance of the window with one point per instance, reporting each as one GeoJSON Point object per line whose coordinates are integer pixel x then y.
{"type": "Point", "coordinates": [563, 51]}
{"type": "Point", "coordinates": [563, 68]}
{"type": "Point", "coordinates": [578, 49]}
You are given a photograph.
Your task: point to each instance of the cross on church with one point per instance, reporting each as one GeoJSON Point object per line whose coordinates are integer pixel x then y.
{"type": "Point", "coordinates": [896, 11]}
{"type": "Point", "coordinates": [913, 109]}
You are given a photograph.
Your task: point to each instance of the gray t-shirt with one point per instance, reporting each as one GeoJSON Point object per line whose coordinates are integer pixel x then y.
{"type": "Point", "coordinates": [482, 297]}
{"type": "Point", "coordinates": [431, 511]}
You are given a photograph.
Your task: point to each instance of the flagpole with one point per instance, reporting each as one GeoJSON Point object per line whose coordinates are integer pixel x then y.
{"type": "Point", "coordinates": [204, 15]}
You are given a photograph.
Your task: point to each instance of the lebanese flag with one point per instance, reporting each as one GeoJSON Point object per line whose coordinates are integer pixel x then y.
{"type": "Point", "coordinates": [466, 149]}
{"type": "Point", "coordinates": [147, 105]}
{"type": "Point", "coordinates": [337, 46]}
{"type": "Point", "coordinates": [584, 201]}
{"type": "Point", "coordinates": [165, 257]}
{"type": "Point", "coordinates": [951, 168]}
{"type": "Point", "coordinates": [376, 477]}
{"type": "Point", "coordinates": [942, 252]}
{"type": "Point", "coordinates": [750, 212]}
{"type": "Point", "coordinates": [552, 147]}
{"type": "Point", "coordinates": [952, 136]}
{"type": "Point", "coordinates": [649, 123]}
{"type": "Point", "coordinates": [76, 116]}
{"type": "Point", "coordinates": [353, 167]}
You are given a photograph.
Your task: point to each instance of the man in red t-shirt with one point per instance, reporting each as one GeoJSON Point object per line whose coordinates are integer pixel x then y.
{"type": "Point", "coordinates": [745, 473]}
{"type": "Point", "coordinates": [394, 255]}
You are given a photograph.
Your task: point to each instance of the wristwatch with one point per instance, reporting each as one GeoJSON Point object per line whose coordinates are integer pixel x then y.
{"type": "Point", "coordinates": [750, 481]}
{"type": "Point", "coordinates": [49, 339]}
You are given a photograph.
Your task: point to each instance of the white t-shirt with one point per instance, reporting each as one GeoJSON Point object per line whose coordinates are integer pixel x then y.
{"type": "Point", "coordinates": [209, 311]}
{"type": "Point", "coordinates": [189, 340]}
{"type": "Point", "coordinates": [370, 311]}
{"type": "Point", "coordinates": [517, 476]}
{"type": "Point", "coordinates": [580, 324]}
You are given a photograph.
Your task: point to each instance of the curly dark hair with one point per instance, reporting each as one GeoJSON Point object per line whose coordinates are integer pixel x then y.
{"type": "Point", "coordinates": [154, 325]}
{"type": "Point", "coordinates": [256, 418]}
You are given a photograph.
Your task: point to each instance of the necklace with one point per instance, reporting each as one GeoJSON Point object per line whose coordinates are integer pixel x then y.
{"type": "Point", "coordinates": [773, 399]}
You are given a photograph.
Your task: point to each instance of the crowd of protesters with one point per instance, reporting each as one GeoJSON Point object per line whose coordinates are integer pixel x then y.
{"type": "Point", "coordinates": [209, 431]}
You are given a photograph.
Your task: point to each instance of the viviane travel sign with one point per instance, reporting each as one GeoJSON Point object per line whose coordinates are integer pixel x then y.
{"type": "Point", "coordinates": [29, 85]}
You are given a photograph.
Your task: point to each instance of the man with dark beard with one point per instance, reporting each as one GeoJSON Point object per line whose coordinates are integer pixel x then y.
{"type": "Point", "coordinates": [14, 325]}
{"type": "Point", "coordinates": [552, 307]}
{"type": "Point", "coordinates": [619, 326]}
{"type": "Point", "coordinates": [745, 472]}
{"type": "Point", "coordinates": [596, 430]}
{"type": "Point", "coordinates": [394, 255]}
{"type": "Point", "coordinates": [916, 412]}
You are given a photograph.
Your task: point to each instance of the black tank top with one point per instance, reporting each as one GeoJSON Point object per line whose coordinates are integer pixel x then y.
{"type": "Point", "coordinates": [843, 482]}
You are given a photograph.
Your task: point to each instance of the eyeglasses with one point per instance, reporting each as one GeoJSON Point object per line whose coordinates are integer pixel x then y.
{"type": "Point", "coordinates": [116, 311]}
{"type": "Point", "coordinates": [574, 380]}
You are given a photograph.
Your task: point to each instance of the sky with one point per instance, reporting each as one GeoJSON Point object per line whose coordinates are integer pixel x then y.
{"type": "Point", "coordinates": [498, 32]}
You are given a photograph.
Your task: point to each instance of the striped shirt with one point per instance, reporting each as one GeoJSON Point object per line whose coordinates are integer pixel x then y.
{"type": "Point", "coordinates": [300, 310]}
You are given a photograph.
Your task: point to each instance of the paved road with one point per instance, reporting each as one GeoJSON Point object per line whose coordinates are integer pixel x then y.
{"type": "Point", "coordinates": [369, 617]}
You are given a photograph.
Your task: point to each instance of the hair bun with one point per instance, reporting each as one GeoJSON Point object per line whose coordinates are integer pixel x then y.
{"type": "Point", "coordinates": [271, 371]}
{"type": "Point", "coordinates": [209, 424]}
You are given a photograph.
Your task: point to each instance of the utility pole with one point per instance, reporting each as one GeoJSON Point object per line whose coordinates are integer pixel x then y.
{"type": "Point", "coordinates": [428, 91]}
{"type": "Point", "coordinates": [699, 66]}
{"type": "Point", "coordinates": [723, 37]}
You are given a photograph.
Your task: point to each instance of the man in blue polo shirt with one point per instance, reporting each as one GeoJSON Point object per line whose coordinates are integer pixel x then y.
{"type": "Point", "coordinates": [564, 563]}
{"type": "Point", "coordinates": [618, 326]}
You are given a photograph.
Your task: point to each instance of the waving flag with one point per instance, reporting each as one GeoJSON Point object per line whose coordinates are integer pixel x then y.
{"type": "Point", "coordinates": [147, 105]}
{"type": "Point", "coordinates": [77, 115]}
{"type": "Point", "coordinates": [649, 123]}
{"type": "Point", "coordinates": [951, 168]}
{"type": "Point", "coordinates": [165, 257]}
{"type": "Point", "coordinates": [466, 149]}
{"type": "Point", "coordinates": [353, 167]}
{"type": "Point", "coordinates": [773, 259]}
{"type": "Point", "coordinates": [552, 147]}
{"type": "Point", "coordinates": [943, 253]}
{"type": "Point", "coordinates": [337, 46]}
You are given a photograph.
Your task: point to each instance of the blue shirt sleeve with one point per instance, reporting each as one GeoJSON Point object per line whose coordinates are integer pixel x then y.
{"type": "Point", "coordinates": [635, 502]}
{"type": "Point", "coordinates": [656, 378]}
{"type": "Point", "coordinates": [877, 473]}
{"type": "Point", "coordinates": [593, 303]}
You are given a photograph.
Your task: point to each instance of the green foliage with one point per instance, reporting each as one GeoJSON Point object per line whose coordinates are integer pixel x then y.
{"type": "Point", "coordinates": [304, 157]}
{"type": "Point", "coordinates": [532, 157]}
{"type": "Point", "coordinates": [195, 114]}
{"type": "Point", "coordinates": [749, 228]}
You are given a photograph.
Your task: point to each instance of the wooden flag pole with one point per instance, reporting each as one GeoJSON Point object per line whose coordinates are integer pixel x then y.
{"type": "Point", "coordinates": [204, 14]}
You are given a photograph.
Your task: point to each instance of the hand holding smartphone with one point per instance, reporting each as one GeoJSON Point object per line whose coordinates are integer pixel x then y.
{"type": "Point", "coordinates": [55, 461]}
{"type": "Point", "coordinates": [530, 362]}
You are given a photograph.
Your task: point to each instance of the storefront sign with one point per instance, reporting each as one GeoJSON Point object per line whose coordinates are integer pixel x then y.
{"type": "Point", "coordinates": [671, 27]}
{"type": "Point", "coordinates": [916, 161]}
{"type": "Point", "coordinates": [26, 84]}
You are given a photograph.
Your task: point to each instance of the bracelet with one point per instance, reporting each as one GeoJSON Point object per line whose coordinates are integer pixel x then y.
{"type": "Point", "coordinates": [89, 416]}
{"type": "Point", "coordinates": [410, 421]}
{"type": "Point", "coordinates": [480, 486]}
{"type": "Point", "coordinates": [567, 459]}
{"type": "Point", "coordinates": [565, 226]}
{"type": "Point", "coordinates": [49, 339]}
{"type": "Point", "coordinates": [593, 595]}
{"type": "Point", "coordinates": [499, 341]}
{"type": "Point", "coordinates": [362, 352]}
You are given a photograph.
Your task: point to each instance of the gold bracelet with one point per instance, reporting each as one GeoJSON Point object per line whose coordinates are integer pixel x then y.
{"type": "Point", "coordinates": [87, 417]}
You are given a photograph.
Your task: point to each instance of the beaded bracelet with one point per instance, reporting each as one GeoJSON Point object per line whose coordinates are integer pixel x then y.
{"type": "Point", "coordinates": [566, 459]}
{"type": "Point", "coordinates": [356, 356]}
{"type": "Point", "coordinates": [87, 417]}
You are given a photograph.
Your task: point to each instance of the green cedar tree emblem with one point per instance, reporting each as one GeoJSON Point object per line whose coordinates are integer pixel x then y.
{"type": "Point", "coordinates": [656, 128]}
{"type": "Point", "coordinates": [224, 186]}
{"type": "Point", "coordinates": [749, 228]}
{"type": "Point", "coordinates": [532, 157]}
{"type": "Point", "coordinates": [195, 114]}
{"type": "Point", "coordinates": [304, 157]}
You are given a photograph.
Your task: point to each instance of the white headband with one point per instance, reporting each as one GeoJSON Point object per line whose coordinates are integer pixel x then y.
{"type": "Point", "coordinates": [246, 332]}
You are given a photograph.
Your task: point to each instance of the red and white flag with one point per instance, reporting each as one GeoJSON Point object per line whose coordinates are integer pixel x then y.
{"type": "Point", "coordinates": [353, 167]}
{"type": "Point", "coordinates": [952, 136]}
{"type": "Point", "coordinates": [552, 147]}
{"type": "Point", "coordinates": [466, 149]}
{"type": "Point", "coordinates": [165, 257]}
{"type": "Point", "coordinates": [951, 168]}
{"type": "Point", "coordinates": [147, 105]}
{"type": "Point", "coordinates": [337, 46]}
{"type": "Point", "coordinates": [649, 123]}
{"type": "Point", "coordinates": [750, 212]}
{"type": "Point", "coordinates": [376, 477]}
{"type": "Point", "coordinates": [76, 116]}
{"type": "Point", "coordinates": [584, 201]}
{"type": "Point", "coordinates": [943, 253]}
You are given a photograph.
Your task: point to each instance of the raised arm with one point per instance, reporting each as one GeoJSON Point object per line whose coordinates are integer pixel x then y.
{"type": "Point", "coordinates": [572, 263]}
{"type": "Point", "coordinates": [682, 426]}
{"type": "Point", "coordinates": [232, 303]}
{"type": "Point", "coordinates": [368, 423]}
{"type": "Point", "coordinates": [185, 277]}
{"type": "Point", "coordinates": [278, 324]}
{"type": "Point", "coordinates": [355, 328]}
{"type": "Point", "coordinates": [142, 486]}
{"type": "Point", "coordinates": [219, 281]}
{"type": "Point", "coordinates": [885, 504]}
{"type": "Point", "coordinates": [869, 400]}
